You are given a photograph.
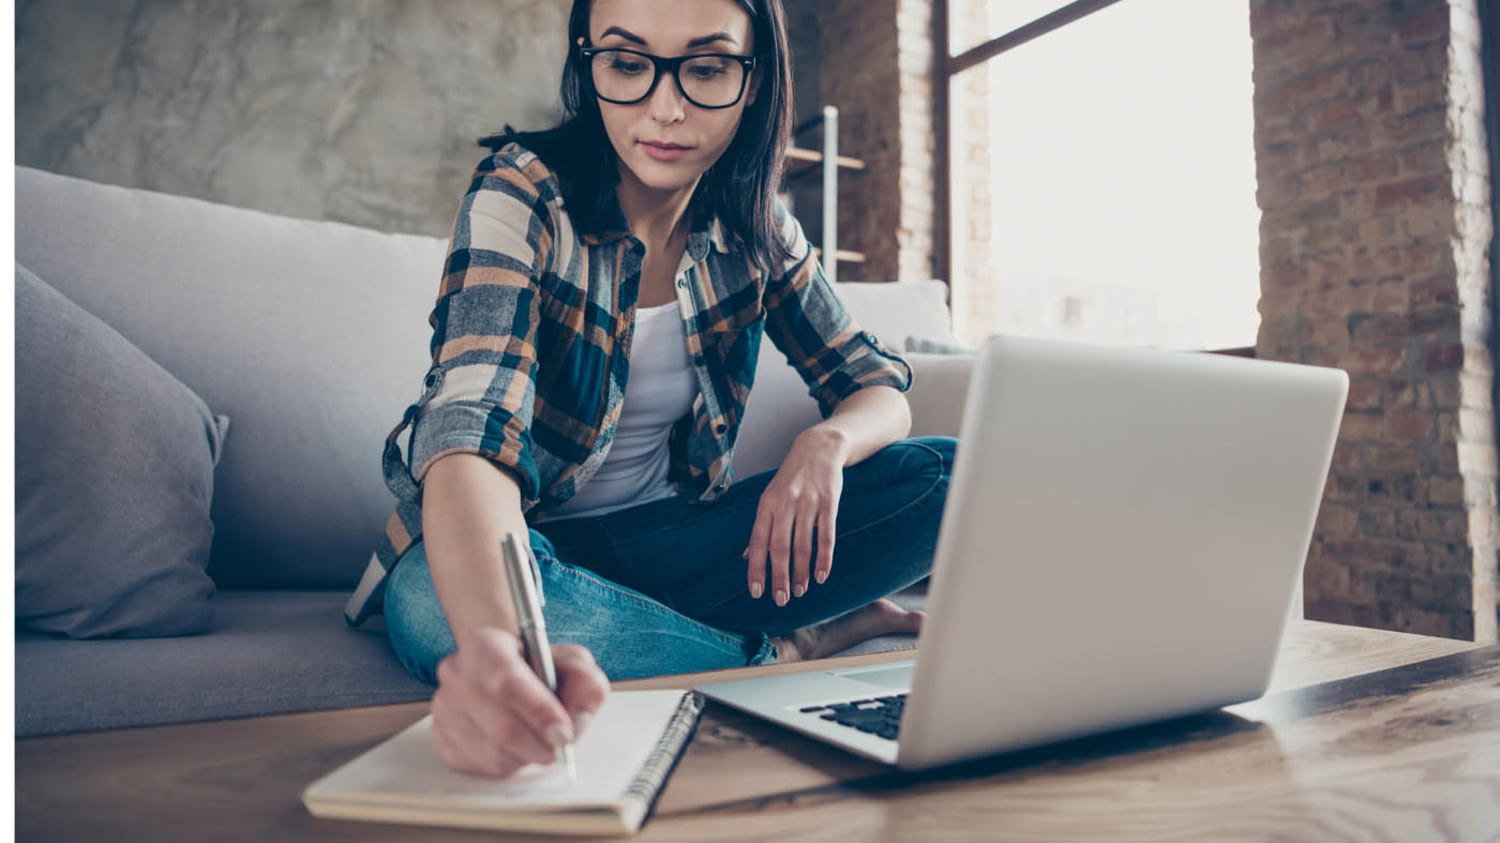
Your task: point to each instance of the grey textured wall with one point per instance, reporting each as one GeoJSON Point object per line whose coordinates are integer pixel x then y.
{"type": "Point", "coordinates": [362, 111]}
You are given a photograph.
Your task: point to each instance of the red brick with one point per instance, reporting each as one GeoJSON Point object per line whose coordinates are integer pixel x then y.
{"type": "Point", "coordinates": [1388, 456]}
{"type": "Point", "coordinates": [1407, 426]}
{"type": "Point", "coordinates": [1445, 489]}
{"type": "Point", "coordinates": [1372, 360]}
{"type": "Point", "coordinates": [1443, 320]}
{"type": "Point", "coordinates": [1301, 35]}
{"type": "Point", "coordinates": [1444, 357]}
{"type": "Point", "coordinates": [1333, 115]}
{"type": "Point", "coordinates": [1428, 23]}
{"type": "Point", "coordinates": [1434, 290]}
{"type": "Point", "coordinates": [1357, 427]}
{"type": "Point", "coordinates": [1411, 190]}
{"type": "Point", "coordinates": [1379, 329]}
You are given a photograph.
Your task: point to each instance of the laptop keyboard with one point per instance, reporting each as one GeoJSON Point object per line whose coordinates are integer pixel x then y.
{"type": "Point", "coordinates": [878, 716]}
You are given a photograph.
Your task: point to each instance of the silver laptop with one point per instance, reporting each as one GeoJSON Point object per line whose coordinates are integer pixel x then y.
{"type": "Point", "coordinates": [1124, 533]}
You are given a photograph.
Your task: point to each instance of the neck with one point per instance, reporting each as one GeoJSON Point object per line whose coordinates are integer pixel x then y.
{"type": "Point", "coordinates": [654, 216]}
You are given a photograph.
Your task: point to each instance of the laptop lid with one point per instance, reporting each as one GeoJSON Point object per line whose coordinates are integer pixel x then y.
{"type": "Point", "coordinates": [1124, 532]}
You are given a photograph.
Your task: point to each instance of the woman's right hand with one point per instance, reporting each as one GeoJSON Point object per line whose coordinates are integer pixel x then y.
{"type": "Point", "coordinates": [492, 715]}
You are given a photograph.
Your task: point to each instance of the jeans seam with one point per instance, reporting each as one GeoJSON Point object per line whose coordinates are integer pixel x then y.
{"type": "Point", "coordinates": [654, 607]}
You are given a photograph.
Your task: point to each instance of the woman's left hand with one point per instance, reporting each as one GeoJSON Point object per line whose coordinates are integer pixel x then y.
{"type": "Point", "coordinates": [801, 498]}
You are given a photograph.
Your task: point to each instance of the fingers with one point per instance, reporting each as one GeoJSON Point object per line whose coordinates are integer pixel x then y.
{"type": "Point", "coordinates": [826, 531]}
{"type": "Point", "coordinates": [492, 715]}
{"type": "Point", "coordinates": [580, 683]}
{"type": "Point", "coordinates": [790, 544]}
{"type": "Point", "coordinates": [781, 549]}
{"type": "Point", "coordinates": [463, 745]}
{"type": "Point", "coordinates": [755, 554]}
{"type": "Point", "coordinates": [802, 550]}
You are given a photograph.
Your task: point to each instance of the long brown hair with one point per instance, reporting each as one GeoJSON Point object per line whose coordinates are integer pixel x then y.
{"type": "Point", "coordinates": [740, 187]}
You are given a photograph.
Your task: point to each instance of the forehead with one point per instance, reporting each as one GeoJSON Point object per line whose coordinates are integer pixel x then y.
{"type": "Point", "coordinates": [668, 25]}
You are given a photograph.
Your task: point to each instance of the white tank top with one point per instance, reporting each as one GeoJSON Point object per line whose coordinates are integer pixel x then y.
{"type": "Point", "coordinates": [659, 391]}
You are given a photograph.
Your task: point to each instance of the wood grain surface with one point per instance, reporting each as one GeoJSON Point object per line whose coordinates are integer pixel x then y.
{"type": "Point", "coordinates": [1348, 746]}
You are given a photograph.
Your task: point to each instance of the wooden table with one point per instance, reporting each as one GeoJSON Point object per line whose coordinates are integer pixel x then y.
{"type": "Point", "coordinates": [1365, 735]}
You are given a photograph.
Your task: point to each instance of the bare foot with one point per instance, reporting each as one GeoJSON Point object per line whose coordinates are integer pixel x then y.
{"type": "Point", "coordinates": [815, 642]}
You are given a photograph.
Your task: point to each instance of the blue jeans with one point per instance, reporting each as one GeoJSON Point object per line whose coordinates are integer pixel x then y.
{"type": "Point", "coordinates": [661, 588]}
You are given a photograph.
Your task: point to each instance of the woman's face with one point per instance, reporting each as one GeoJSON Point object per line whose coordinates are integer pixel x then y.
{"type": "Point", "coordinates": [665, 141]}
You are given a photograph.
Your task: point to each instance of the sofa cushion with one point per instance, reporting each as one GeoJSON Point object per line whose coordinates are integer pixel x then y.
{"type": "Point", "coordinates": [114, 478]}
{"type": "Point", "coordinates": [310, 335]}
{"type": "Point", "coordinates": [271, 652]}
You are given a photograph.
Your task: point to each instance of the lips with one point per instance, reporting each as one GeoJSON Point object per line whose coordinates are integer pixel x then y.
{"type": "Point", "coordinates": [663, 150]}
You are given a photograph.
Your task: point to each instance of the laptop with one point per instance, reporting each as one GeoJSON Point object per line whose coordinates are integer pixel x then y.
{"type": "Point", "coordinates": [1123, 537]}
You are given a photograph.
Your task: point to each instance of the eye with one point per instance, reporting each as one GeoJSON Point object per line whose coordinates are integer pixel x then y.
{"type": "Point", "coordinates": [706, 72]}
{"type": "Point", "coordinates": [627, 66]}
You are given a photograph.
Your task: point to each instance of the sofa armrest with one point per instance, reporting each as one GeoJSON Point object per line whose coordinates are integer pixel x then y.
{"type": "Point", "coordinates": [939, 387]}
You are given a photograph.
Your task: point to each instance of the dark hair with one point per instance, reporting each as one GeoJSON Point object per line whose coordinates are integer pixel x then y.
{"type": "Point", "coordinates": [740, 187]}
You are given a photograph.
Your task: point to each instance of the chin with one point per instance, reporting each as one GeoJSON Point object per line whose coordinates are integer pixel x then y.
{"type": "Point", "coordinates": [658, 175]}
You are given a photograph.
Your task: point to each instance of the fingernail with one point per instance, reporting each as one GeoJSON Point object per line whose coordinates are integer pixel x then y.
{"type": "Point", "coordinates": [781, 597]}
{"type": "Point", "coordinates": [756, 589]}
{"type": "Point", "coordinates": [822, 577]}
{"type": "Point", "coordinates": [800, 590]}
{"type": "Point", "coordinates": [581, 722]}
{"type": "Point", "coordinates": [559, 735]}
{"type": "Point", "coordinates": [745, 554]}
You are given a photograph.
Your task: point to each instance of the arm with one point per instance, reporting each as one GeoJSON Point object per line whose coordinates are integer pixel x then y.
{"type": "Point", "coordinates": [467, 506]}
{"type": "Point", "coordinates": [471, 455]}
{"type": "Point", "coordinates": [862, 424]}
{"type": "Point", "coordinates": [858, 386]}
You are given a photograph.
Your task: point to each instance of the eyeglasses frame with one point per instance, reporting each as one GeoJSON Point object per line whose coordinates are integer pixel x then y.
{"type": "Point", "coordinates": [660, 65]}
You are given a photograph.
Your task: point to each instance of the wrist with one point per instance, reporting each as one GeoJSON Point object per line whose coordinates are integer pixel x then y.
{"type": "Point", "coordinates": [827, 439]}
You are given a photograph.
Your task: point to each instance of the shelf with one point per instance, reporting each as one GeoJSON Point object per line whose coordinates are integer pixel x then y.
{"type": "Point", "coordinates": [843, 255]}
{"type": "Point", "coordinates": [809, 159]}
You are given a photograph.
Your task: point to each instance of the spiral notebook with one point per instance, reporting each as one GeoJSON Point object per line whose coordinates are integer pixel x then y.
{"type": "Point", "coordinates": [623, 759]}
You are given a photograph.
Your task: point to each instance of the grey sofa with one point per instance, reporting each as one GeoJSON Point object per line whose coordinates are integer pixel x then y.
{"type": "Point", "coordinates": [312, 338]}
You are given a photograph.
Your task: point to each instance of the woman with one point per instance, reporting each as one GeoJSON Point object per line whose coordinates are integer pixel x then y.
{"type": "Point", "coordinates": [594, 343]}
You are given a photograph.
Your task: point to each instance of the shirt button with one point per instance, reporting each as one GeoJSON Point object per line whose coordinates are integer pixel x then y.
{"type": "Point", "coordinates": [697, 360]}
{"type": "Point", "coordinates": [720, 428]}
{"type": "Point", "coordinates": [682, 282]}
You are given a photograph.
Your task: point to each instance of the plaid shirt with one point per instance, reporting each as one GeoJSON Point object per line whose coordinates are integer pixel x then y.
{"type": "Point", "coordinates": [531, 338]}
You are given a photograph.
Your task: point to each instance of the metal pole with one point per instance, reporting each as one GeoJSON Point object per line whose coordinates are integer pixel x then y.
{"type": "Point", "coordinates": [831, 193]}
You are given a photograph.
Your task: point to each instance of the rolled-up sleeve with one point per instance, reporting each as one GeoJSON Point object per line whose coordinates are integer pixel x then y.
{"type": "Point", "coordinates": [482, 384]}
{"type": "Point", "coordinates": [811, 326]}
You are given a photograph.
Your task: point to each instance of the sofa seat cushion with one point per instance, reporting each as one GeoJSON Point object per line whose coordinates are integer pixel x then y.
{"type": "Point", "coordinates": [271, 652]}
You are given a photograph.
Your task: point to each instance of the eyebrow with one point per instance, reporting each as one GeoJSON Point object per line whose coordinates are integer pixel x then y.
{"type": "Point", "coordinates": [696, 42]}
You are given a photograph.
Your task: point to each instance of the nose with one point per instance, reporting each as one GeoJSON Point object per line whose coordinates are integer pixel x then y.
{"type": "Point", "coordinates": [667, 103]}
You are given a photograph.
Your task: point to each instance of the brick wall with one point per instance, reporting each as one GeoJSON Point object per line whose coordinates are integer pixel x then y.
{"type": "Point", "coordinates": [1373, 183]}
{"type": "Point", "coordinates": [875, 65]}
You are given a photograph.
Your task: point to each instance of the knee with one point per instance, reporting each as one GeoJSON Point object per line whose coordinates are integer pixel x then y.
{"type": "Point", "coordinates": [927, 458]}
{"type": "Point", "coordinates": [415, 622]}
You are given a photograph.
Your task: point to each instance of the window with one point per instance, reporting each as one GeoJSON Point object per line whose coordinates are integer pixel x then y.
{"type": "Point", "coordinates": [1102, 173]}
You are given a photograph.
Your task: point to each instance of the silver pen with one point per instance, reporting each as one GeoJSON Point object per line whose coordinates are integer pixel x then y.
{"type": "Point", "coordinates": [525, 579]}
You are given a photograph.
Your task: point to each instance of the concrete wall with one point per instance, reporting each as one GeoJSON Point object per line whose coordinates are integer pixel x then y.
{"type": "Point", "coordinates": [361, 111]}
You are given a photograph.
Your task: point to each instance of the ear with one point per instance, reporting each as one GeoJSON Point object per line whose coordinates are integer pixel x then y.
{"type": "Point", "coordinates": [754, 92]}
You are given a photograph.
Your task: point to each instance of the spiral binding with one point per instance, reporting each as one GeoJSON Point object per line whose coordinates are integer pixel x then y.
{"type": "Point", "coordinates": [647, 784]}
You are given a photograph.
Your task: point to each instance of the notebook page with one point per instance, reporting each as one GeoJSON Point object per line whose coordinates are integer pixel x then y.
{"type": "Point", "coordinates": [406, 769]}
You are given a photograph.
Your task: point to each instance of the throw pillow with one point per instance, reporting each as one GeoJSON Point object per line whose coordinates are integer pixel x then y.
{"type": "Point", "coordinates": [114, 476]}
{"type": "Point", "coordinates": [923, 345]}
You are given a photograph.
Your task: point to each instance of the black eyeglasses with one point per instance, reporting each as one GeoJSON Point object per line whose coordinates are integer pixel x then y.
{"type": "Point", "coordinates": [707, 80]}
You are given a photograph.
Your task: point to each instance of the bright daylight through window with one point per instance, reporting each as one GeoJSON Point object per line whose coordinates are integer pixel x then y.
{"type": "Point", "coordinates": [1118, 157]}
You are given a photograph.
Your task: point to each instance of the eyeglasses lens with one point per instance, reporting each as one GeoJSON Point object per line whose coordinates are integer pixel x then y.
{"type": "Point", "coordinates": [708, 81]}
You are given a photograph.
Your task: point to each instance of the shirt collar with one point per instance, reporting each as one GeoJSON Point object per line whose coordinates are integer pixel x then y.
{"type": "Point", "coordinates": [705, 230]}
